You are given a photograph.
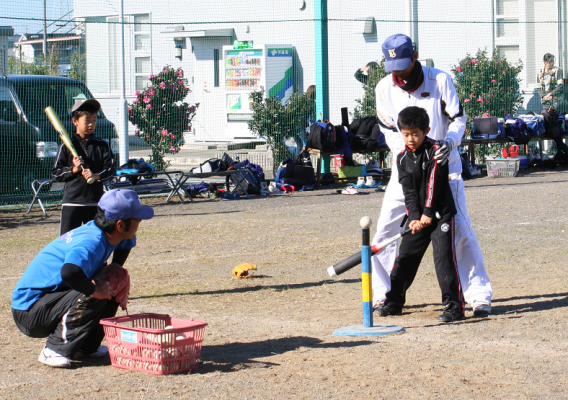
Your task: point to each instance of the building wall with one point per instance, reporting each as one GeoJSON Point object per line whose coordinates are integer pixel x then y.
{"type": "Point", "coordinates": [447, 31]}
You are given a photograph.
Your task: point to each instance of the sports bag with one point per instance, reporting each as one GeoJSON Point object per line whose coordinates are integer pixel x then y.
{"type": "Point", "coordinates": [487, 128]}
{"type": "Point", "coordinates": [322, 137]}
{"type": "Point", "coordinates": [211, 165]}
{"type": "Point", "coordinates": [298, 172]}
{"type": "Point", "coordinates": [516, 129]}
{"type": "Point", "coordinates": [535, 124]}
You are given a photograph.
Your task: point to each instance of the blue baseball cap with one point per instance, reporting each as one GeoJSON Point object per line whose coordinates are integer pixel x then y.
{"type": "Point", "coordinates": [398, 52]}
{"type": "Point", "coordinates": [122, 204]}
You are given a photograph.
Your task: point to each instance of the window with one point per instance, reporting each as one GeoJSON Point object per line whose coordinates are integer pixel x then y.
{"type": "Point", "coordinates": [142, 51]}
{"type": "Point", "coordinates": [216, 67]}
{"type": "Point", "coordinates": [509, 52]}
{"type": "Point", "coordinates": [142, 69]}
{"type": "Point", "coordinates": [507, 7]}
{"type": "Point", "coordinates": [507, 28]}
{"type": "Point", "coordinates": [8, 110]}
{"type": "Point", "coordinates": [142, 32]}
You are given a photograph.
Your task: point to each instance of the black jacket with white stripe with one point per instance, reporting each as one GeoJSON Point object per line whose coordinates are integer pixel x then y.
{"type": "Point", "coordinates": [97, 156]}
{"type": "Point", "coordinates": [425, 183]}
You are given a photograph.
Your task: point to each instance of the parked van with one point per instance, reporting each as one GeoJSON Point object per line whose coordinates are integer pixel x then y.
{"type": "Point", "coordinates": [28, 141]}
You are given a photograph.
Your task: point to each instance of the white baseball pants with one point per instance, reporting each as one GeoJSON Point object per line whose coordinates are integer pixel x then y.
{"type": "Point", "coordinates": [475, 282]}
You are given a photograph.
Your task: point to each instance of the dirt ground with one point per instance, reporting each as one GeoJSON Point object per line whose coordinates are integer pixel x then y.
{"type": "Point", "coordinates": [271, 336]}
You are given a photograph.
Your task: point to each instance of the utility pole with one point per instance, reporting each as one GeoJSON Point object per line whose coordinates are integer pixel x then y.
{"type": "Point", "coordinates": [44, 30]}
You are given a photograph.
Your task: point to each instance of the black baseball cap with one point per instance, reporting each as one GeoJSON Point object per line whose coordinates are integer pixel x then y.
{"type": "Point", "coordinates": [90, 105]}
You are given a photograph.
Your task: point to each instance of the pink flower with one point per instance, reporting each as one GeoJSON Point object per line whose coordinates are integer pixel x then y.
{"type": "Point", "coordinates": [480, 99]}
{"type": "Point", "coordinates": [136, 132]}
{"type": "Point", "coordinates": [177, 149]}
{"type": "Point", "coordinates": [471, 95]}
{"type": "Point", "coordinates": [151, 76]}
{"type": "Point", "coordinates": [459, 69]}
{"type": "Point", "coordinates": [172, 148]}
{"type": "Point", "coordinates": [152, 92]}
{"type": "Point", "coordinates": [137, 93]}
{"type": "Point", "coordinates": [180, 73]}
{"type": "Point", "coordinates": [493, 81]}
{"type": "Point", "coordinates": [164, 132]}
{"type": "Point", "coordinates": [485, 115]}
{"type": "Point", "coordinates": [147, 136]}
{"type": "Point", "coordinates": [504, 72]}
{"type": "Point", "coordinates": [172, 136]}
{"type": "Point", "coordinates": [466, 100]}
{"type": "Point", "coordinates": [163, 85]}
{"type": "Point", "coordinates": [147, 99]}
{"type": "Point", "coordinates": [149, 106]}
{"type": "Point", "coordinates": [473, 61]}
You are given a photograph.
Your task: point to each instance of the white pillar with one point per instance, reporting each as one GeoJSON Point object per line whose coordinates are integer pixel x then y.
{"type": "Point", "coordinates": [123, 133]}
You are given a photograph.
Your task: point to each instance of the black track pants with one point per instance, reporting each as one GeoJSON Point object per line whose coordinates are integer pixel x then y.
{"type": "Point", "coordinates": [69, 319]}
{"type": "Point", "coordinates": [411, 251]}
{"type": "Point", "coordinates": [74, 216]}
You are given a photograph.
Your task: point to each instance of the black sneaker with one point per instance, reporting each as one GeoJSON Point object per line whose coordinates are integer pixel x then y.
{"type": "Point", "coordinates": [451, 314]}
{"type": "Point", "coordinates": [387, 309]}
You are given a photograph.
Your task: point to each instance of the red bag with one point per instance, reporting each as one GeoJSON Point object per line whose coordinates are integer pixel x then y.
{"type": "Point", "coordinates": [514, 151]}
{"type": "Point", "coordinates": [504, 152]}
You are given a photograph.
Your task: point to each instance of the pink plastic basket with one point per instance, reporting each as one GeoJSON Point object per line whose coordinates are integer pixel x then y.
{"type": "Point", "coordinates": [141, 342]}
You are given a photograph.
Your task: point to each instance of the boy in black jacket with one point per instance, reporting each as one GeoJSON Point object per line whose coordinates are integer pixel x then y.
{"type": "Point", "coordinates": [431, 209]}
{"type": "Point", "coordinates": [95, 161]}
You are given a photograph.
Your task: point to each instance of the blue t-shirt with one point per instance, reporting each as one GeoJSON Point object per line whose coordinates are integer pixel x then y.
{"type": "Point", "coordinates": [86, 246]}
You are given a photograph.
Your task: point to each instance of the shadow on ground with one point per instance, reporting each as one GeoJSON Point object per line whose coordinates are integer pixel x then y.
{"type": "Point", "coordinates": [252, 288]}
{"type": "Point", "coordinates": [237, 356]}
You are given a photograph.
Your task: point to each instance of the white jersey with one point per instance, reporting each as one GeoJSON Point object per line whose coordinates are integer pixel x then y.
{"type": "Point", "coordinates": [438, 97]}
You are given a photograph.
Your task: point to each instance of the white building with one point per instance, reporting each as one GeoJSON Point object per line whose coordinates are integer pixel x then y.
{"type": "Point", "coordinates": [191, 35]}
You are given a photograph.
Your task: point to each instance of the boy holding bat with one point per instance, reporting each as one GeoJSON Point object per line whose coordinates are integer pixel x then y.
{"type": "Point", "coordinates": [83, 175]}
{"type": "Point", "coordinates": [431, 210]}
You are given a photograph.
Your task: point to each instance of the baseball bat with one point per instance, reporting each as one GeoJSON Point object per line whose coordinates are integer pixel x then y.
{"type": "Point", "coordinates": [355, 259]}
{"type": "Point", "coordinates": [52, 115]}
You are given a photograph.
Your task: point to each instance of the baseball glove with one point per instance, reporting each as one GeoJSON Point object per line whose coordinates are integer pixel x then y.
{"type": "Point", "coordinates": [242, 271]}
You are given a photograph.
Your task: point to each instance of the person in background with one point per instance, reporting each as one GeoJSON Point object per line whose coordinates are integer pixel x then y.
{"type": "Point", "coordinates": [550, 88]}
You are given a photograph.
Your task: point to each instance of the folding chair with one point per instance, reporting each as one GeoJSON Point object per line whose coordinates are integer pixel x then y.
{"type": "Point", "coordinates": [36, 188]}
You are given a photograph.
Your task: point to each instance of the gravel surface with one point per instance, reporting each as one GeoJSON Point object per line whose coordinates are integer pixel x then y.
{"type": "Point", "coordinates": [271, 336]}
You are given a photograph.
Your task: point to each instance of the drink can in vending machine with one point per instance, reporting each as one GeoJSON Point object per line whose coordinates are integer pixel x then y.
{"type": "Point", "coordinates": [338, 162]}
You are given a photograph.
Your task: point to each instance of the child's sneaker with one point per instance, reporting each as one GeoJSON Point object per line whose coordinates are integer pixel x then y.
{"type": "Point", "coordinates": [451, 314]}
{"type": "Point", "coordinates": [370, 182]}
{"type": "Point", "coordinates": [53, 359]}
{"type": "Point", "coordinates": [350, 190]}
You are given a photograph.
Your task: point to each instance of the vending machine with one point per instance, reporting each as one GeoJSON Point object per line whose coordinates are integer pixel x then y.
{"type": "Point", "coordinates": [250, 67]}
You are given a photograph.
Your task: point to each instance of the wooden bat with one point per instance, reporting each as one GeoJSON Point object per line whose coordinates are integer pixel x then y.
{"type": "Point", "coordinates": [355, 259]}
{"type": "Point", "coordinates": [52, 115]}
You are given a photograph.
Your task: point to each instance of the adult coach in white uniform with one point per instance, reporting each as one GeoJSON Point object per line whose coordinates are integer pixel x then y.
{"type": "Point", "coordinates": [411, 84]}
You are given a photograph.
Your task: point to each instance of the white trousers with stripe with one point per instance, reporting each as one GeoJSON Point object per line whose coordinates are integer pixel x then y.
{"type": "Point", "coordinates": [475, 282]}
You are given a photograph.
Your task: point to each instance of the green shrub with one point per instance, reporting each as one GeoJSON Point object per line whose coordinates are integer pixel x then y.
{"type": "Point", "coordinates": [487, 86]}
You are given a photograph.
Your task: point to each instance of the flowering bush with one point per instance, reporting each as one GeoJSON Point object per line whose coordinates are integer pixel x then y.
{"type": "Point", "coordinates": [161, 116]}
{"type": "Point", "coordinates": [487, 86]}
